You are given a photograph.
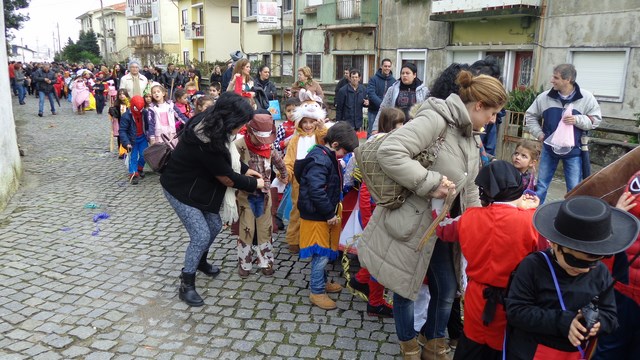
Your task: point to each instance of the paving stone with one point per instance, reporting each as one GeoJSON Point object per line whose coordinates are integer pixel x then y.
{"type": "Point", "coordinates": [83, 332]}
{"type": "Point", "coordinates": [286, 350]}
{"type": "Point", "coordinates": [75, 351]}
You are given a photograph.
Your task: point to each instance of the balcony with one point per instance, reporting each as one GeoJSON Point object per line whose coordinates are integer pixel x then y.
{"type": "Point", "coordinates": [139, 11]}
{"type": "Point", "coordinates": [454, 10]}
{"type": "Point", "coordinates": [347, 9]}
{"type": "Point", "coordinates": [274, 28]}
{"type": "Point", "coordinates": [141, 41]}
{"type": "Point", "coordinates": [193, 31]}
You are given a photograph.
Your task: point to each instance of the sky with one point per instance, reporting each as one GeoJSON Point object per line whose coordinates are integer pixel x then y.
{"type": "Point", "coordinates": [46, 15]}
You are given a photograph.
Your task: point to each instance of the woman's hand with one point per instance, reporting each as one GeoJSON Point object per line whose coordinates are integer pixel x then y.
{"type": "Point", "coordinates": [443, 188]}
{"type": "Point", "coordinates": [333, 221]}
{"type": "Point", "coordinates": [626, 201]}
{"type": "Point", "coordinates": [253, 173]}
{"type": "Point", "coordinates": [260, 183]}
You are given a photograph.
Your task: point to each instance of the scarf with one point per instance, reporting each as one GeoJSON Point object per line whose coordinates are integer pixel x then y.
{"type": "Point", "coordinates": [263, 150]}
{"type": "Point", "coordinates": [305, 143]}
{"type": "Point", "coordinates": [136, 85]}
{"type": "Point", "coordinates": [229, 209]}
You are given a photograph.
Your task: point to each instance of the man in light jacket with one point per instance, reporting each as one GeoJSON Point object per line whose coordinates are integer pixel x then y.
{"type": "Point", "coordinates": [134, 81]}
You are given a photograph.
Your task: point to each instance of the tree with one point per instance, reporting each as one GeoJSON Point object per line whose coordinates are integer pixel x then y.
{"type": "Point", "coordinates": [13, 20]}
{"type": "Point", "coordinates": [88, 41]}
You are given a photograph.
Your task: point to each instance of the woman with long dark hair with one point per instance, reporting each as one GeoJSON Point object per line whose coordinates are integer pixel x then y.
{"type": "Point", "coordinates": [200, 181]}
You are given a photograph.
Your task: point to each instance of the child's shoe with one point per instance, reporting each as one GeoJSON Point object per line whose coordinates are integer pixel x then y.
{"type": "Point", "coordinates": [242, 272]}
{"type": "Point", "coordinates": [332, 287]}
{"type": "Point", "coordinates": [322, 301]}
{"type": "Point", "coordinates": [356, 285]}
{"type": "Point", "coordinates": [134, 179]}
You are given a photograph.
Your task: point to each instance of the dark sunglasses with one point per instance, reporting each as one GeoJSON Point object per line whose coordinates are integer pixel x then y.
{"type": "Point", "coordinates": [578, 263]}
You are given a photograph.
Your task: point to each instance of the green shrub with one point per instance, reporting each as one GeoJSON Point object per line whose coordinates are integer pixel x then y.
{"type": "Point", "coordinates": [521, 98]}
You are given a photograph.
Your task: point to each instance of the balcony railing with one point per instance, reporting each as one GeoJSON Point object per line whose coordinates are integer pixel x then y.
{"type": "Point", "coordinates": [347, 9]}
{"type": "Point", "coordinates": [194, 31]}
{"type": "Point", "coordinates": [139, 11]}
{"type": "Point", "coordinates": [456, 6]}
{"type": "Point", "coordinates": [141, 41]}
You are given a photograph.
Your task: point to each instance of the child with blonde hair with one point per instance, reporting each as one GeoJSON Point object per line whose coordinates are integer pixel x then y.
{"type": "Point", "coordinates": [162, 116]}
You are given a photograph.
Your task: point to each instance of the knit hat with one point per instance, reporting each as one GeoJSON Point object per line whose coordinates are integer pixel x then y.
{"type": "Point", "coordinates": [236, 55]}
{"type": "Point", "coordinates": [133, 62]}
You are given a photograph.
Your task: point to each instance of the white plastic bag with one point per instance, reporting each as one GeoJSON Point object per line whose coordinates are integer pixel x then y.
{"type": "Point", "coordinates": [562, 140]}
{"type": "Point", "coordinates": [127, 159]}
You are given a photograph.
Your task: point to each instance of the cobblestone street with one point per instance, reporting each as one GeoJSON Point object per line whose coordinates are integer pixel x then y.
{"type": "Point", "coordinates": [66, 293]}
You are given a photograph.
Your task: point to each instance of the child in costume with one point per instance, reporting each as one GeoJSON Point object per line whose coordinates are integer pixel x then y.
{"type": "Point", "coordinates": [256, 150]}
{"type": "Point", "coordinates": [390, 118]}
{"type": "Point", "coordinates": [492, 257]}
{"type": "Point", "coordinates": [320, 178]}
{"type": "Point", "coordinates": [524, 158]}
{"type": "Point", "coordinates": [310, 130]}
{"type": "Point", "coordinates": [182, 108]}
{"type": "Point", "coordinates": [551, 290]}
{"type": "Point", "coordinates": [120, 106]}
{"type": "Point", "coordinates": [162, 116]}
{"type": "Point", "coordinates": [288, 127]}
{"type": "Point", "coordinates": [624, 343]}
{"type": "Point", "coordinates": [134, 125]}
{"type": "Point", "coordinates": [99, 92]}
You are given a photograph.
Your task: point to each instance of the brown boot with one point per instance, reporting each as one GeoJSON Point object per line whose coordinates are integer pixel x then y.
{"type": "Point", "coordinates": [410, 349]}
{"type": "Point", "coordinates": [436, 349]}
{"type": "Point", "coordinates": [294, 249]}
{"type": "Point", "coordinates": [322, 301]}
{"type": "Point", "coordinates": [332, 287]}
{"type": "Point", "coordinates": [422, 340]}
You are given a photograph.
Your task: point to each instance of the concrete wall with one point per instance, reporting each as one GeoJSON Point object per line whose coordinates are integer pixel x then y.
{"type": "Point", "coordinates": [593, 24]}
{"type": "Point", "coordinates": [507, 31]}
{"type": "Point", "coordinates": [406, 25]}
{"type": "Point", "coordinates": [10, 164]}
{"type": "Point", "coordinates": [221, 35]}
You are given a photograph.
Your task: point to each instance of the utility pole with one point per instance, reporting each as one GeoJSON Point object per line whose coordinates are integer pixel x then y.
{"type": "Point", "coordinates": [104, 34]}
{"type": "Point", "coordinates": [282, 40]}
{"type": "Point", "coordinates": [59, 47]}
{"type": "Point", "coordinates": [54, 42]}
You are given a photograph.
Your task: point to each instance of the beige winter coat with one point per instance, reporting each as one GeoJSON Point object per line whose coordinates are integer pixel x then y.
{"type": "Point", "coordinates": [389, 243]}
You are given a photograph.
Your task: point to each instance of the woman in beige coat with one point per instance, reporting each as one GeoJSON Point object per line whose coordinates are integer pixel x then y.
{"type": "Point", "coordinates": [305, 81]}
{"type": "Point", "coordinates": [389, 246]}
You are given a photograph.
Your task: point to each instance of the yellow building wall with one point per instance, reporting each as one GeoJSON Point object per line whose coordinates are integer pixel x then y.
{"type": "Point", "coordinates": [506, 30]}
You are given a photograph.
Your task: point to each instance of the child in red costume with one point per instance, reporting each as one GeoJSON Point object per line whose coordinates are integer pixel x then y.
{"type": "Point", "coordinates": [624, 343]}
{"type": "Point", "coordinates": [493, 256]}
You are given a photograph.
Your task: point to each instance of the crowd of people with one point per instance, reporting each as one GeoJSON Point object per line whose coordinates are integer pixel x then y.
{"type": "Point", "coordinates": [539, 280]}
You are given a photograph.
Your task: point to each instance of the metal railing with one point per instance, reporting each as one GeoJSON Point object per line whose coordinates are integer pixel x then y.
{"type": "Point", "coordinates": [348, 9]}
{"type": "Point", "coordinates": [194, 31]}
{"type": "Point", "coordinates": [140, 41]}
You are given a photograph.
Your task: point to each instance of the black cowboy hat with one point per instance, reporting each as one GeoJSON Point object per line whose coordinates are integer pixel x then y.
{"type": "Point", "coordinates": [587, 224]}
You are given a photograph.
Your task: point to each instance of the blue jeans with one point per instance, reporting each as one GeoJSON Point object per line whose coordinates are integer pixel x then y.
{"type": "Point", "coordinates": [490, 138]}
{"type": "Point", "coordinates": [624, 343]}
{"type": "Point", "coordinates": [371, 118]}
{"type": "Point", "coordinates": [442, 286]}
{"type": "Point", "coordinates": [22, 92]}
{"type": "Point", "coordinates": [136, 162]}
{"type": "Point", "coordinates": [41, 95]}
{"type": "Point", "coordinates": [318, 281]}
{"type": "Point", "coordinates": [548, 165]}
{"type": "Point", "coordinates": [202, 227]}
{"type": "Point", "coordinates": [403, 317]}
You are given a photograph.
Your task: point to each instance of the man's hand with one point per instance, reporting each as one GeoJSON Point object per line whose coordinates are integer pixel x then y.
{"type": "Point", "coordinates": [333, 221]}
{"type": "Point", "coordinates": [569, 120]}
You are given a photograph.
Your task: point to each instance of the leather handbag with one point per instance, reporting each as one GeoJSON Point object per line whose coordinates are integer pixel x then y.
{"type": "Point", "coordinates": [158, 154]}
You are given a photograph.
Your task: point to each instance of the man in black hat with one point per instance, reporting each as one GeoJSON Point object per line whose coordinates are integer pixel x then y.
{"type": "Point", "coordinates": [553, 289]}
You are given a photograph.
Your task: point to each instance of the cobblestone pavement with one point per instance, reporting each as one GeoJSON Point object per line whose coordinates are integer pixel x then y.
{"type": "Point", "coordinates": [66, 294]}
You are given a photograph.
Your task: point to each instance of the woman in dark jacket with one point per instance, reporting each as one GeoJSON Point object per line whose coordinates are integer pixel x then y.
{"type": "Point", "coordinates": [265, 90]}
{"type": "Point", "coordinates": [200, 181]}
{"type": "Point", "coordinates": [216, 76]}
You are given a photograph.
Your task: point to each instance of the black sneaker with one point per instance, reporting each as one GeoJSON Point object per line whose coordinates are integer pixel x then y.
{"type": "Point", "coordinates": [380, 311]}
{"type": "Point", "coordinates": [141, 174]}
{"type": "Point", "coordinates": [40, 114]}
{"type": "Point", "coordinates": [363, 288]}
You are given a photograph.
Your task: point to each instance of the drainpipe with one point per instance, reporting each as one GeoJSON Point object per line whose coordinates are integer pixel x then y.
{"type": "Point", "coordinates": [241, 23]}
{"type": "Point", "coordinates": [539, 48]}
{"type": "Point", "coordinates": [378, 34]}
{"type": "Point", "coordinates": [294, 38]}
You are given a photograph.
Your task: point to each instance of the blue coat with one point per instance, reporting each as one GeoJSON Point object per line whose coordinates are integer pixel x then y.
{"type": "Point", "coordinates": [320, 179]}
{"type": "Point", "coordinates": [377, 87]}
{"type": "Point", "coordinates": [127, 132]}
{"type": "Point", "coordinates": [349, 104]}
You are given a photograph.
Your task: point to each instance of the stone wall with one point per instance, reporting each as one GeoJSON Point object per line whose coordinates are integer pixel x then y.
{"type": "Point", "coordinates": [10, 165]}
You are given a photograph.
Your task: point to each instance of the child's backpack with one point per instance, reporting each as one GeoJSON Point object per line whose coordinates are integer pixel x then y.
{"type": "Point", "coordinates": [384, 190]}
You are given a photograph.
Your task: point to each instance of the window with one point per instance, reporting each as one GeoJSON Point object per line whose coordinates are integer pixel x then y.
{"type": "Point", "coordinates": [465, 57]}
{"type": "Point", "coordinates": [235, 15]}
{"type": "Point", "coordinates": [185, 17]}
{"type": "Point", "coordinates": [252, 8]}
{"type": "Point", "coordinates": [314, 62]}
{"type": "Point", "coordinates": [314, 2]}
{"type": "Point", "coordinates": [185, 57]}
{"type": "Point", "coordinates": [602, 72]}
{"type": "Point", "coordinates": [418, 57]}
{"type": "Point", "coordinates": [266, 60]}
{"type": "Point", "coordinates": [287, 4]}
{"type": "Point", "coordinates": [348, 61]}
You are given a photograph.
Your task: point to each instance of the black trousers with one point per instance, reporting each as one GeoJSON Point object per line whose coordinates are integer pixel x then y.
{"type": "Point", "coordinates": [100, 102]}
{"type": "Point", "coordinates": [471, 350]}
